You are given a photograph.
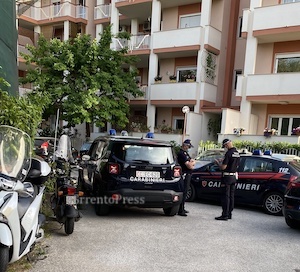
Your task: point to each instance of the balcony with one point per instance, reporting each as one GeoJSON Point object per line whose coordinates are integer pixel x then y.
{"type": "Point", "coordinates": [177, 92]}
{"type": "Point", "coordinates": [271, 87]}
{"type": "Point", "coordinates": [56, 11]}
{"type": "Point", "coordinates": [274, 23]}
{"type": "Point", "coordinates": [186, 37]}
{"type": "Point", "coordinates": [136, 42]}
{"type": "Point", "coordinates": [102, 12]}
{"type": "Point", "coordinates": [144, 90]}
{"type": "Point", "coordinates": [176, 3]}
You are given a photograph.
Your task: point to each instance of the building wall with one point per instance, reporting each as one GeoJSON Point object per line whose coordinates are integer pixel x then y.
{"type": "Point", "coordinates": [169, 18]}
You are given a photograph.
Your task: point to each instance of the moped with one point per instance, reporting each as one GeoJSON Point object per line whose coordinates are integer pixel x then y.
{"type": "Point", "coordinates": [65, 197]}
{"type": "Point", "coordinates": [22, 179]}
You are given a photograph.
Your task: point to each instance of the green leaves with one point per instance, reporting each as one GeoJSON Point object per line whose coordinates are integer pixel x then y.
{"type": "Point", "coordinates": [86, 79]}
{"type": "Point", "coordinates": [20, 112]}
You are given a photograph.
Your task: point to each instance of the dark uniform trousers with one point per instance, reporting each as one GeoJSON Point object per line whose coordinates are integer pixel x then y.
{"type": "Point", "coordinates": [227, 190]}
{"type": "Point", "coordinates": [185, 187]}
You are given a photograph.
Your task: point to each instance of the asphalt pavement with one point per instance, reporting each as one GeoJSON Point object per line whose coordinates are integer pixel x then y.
{"type": "Point", "coordinates": [142, 240]}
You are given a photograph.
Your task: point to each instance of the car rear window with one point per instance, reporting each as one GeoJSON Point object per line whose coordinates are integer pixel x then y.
{"type": "Point", "coordinates": [142, 153]}
{"type": "Point", "coordinates": [295, 165]}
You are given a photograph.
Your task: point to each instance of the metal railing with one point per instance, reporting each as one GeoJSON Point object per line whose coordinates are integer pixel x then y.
{"type": "Point", "coordinates": [102, 11]}
{"type": "Point", "coordinates": [136, 42]}
{"type": "Point", "coordinates": [56, 11]}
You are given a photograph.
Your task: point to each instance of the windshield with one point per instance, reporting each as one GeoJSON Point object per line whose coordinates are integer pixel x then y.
{"type": "Point", "coordinates": [15, 152]}
{"type": "Point", "coordinates": [64, 149]}
{"type": "Point", "coordinates": [144, 153]}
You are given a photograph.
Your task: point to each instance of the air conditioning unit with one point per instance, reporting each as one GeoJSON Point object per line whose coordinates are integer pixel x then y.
{"type": "Point", "coordinates": [146, 26]}
{"type": "Point", "coordinates": [122, 28]}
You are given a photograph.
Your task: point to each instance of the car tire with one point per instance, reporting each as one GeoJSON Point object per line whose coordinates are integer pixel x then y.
{"type": "Point", "coordinates": [273, 203]}
{"type": "Point", "coordinates": [101, 209]}
{"type": "Point", "coordinates": [191, 194]}
{"type": "Point", "coordinates": [292, 223]}
{"type": "Point", "coordinates": [171, 211]}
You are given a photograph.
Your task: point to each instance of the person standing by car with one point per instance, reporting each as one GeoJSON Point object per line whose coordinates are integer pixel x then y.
{"type": "Point", "coordinates": [187, 164]}
{"type": "Point", "coordinates": [229, 167]}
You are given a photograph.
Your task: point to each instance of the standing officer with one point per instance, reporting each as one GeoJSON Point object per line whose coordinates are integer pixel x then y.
{"type": "Point", "coordinates": [229, 167]}
{"type": "Point", "coordinates": [187, 164]}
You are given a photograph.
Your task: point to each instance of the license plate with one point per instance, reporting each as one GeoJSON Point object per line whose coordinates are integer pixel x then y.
{"type": "Point", "coordinates": [147, 174]}
{"type": "Point", "coordinates": [70, 200]}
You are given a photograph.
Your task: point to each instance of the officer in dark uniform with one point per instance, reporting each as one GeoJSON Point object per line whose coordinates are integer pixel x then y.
{"type": "Point", "coordinates": [229, 167]}
{"type": "Point", "coordinates": [187, 164]}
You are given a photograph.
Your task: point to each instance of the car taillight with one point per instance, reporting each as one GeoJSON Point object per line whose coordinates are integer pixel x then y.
{"type": "Point", "coordinates": [294, 182]}
{"type": "Point", "coordinates": [114, 168]}
{"type": "Point", "coordinates": [177, 171]}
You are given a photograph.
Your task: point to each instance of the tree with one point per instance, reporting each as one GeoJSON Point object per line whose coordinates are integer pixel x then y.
{"type": "Point", "coordinates": [20, 112]}
{"type": "Point", "coordinates": [86, 79]}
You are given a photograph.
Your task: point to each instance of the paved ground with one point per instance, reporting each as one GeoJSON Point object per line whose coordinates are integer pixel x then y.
{"type": "Point", "coordinates": [137, 240]}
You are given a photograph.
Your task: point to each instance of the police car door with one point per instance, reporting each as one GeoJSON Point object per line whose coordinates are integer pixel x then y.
{"type": "Point", "coordinates": [254, 175]}
{"type": "Point", "coordinates": [207, 181]}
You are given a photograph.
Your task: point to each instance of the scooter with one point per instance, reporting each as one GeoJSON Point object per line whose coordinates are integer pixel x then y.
{"type": "Point", "coordinates": [65, 198]}
{"type": "Point", "coordinates": [21, 194]}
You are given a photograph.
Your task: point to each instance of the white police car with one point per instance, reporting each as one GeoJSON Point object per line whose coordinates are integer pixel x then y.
{"type": "Point", "coordinates": [262, 181]}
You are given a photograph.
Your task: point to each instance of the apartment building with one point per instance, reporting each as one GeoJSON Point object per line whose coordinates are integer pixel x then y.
{"type": "Point", "coordinates": [231, 60]}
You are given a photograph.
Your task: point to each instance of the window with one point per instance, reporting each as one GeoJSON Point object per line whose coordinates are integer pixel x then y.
{"type": "Point", "coordinates": [185, 74]}
{"type": "Point", "coordinates": [240, 25]}
{"type": "Point", "coordinates": [287, 63]}
{"type": "Point", "coordinates": [178, 123]}
{"type": "Point", "coordinates": [284, 124]}
{"type": "Point", "coordinates": [257, 165]}
{"type": "Point", "coordinates": [236, 73]}
{"type": "Point", "coordinates": [191, 20]}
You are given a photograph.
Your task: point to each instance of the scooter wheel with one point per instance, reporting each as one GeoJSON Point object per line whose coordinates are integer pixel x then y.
{"type": "Point", "coordinates": [69, 225]}
{"type": "Point", "coordinates": [4, 257]}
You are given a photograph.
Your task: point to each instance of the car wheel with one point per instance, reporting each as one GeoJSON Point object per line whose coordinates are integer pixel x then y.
{"type": "Point", "coordinates": [292, 223]}
{"type": "Point", "coordinates": [101, 209]}
{"type": "Point", "coordinates": [191, 194]}
{"type": "Point", "coordinates": [273, 203]}
{"type": "Point", "coordinates": [171, 211]}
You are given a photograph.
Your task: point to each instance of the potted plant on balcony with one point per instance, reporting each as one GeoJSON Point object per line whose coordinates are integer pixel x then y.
{"type": "Point", "coordinates": [269, 132]}
{"type": "Point", "coordinates": [296, 131]}
{"type": "Point", "coordinates": [158, 79]}
{"type": "Point", "coordinates": [238, 131]}
{"type": "Point", "coordinates": [173, 78]}
{"type": "Point", "coordinates": [190, 77]}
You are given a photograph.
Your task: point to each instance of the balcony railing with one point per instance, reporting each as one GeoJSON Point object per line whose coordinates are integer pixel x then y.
{"type": "Point", "coordinates": [175, 91]}
{"type": "Point", "coordinates": [56, 11]}
{"type": "Point", "coordinates": [143, 89]}
{"type": "Point", "coordinates": [22, 49]}
{"type": "Point", "coordinates": [102, 12]}
{"type": "Point", "coordinates": [269, 85]}
{"type": "Point", "coordinates": [136, 42]}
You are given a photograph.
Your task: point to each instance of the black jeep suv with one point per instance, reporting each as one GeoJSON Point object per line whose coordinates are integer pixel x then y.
{"type": "Point", "coordinates": [133, 172]}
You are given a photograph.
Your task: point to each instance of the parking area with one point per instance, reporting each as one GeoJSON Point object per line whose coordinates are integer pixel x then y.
{"type": "Point", "coordinates": [146, 240]}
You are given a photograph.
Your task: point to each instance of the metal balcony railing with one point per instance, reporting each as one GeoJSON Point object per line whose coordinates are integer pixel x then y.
{"type": "Point", "coordinates": [143, 89]}
{"type": "Point", "coordinates": [136, 42]}
{"type": "Point", "coordinates": [102, 11]}
{"type": "Point", "coordinates": [56, 11]}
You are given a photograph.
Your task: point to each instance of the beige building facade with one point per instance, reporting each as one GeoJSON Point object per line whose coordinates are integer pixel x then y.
{"type": "Point", "coordinates": [234, 63]}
